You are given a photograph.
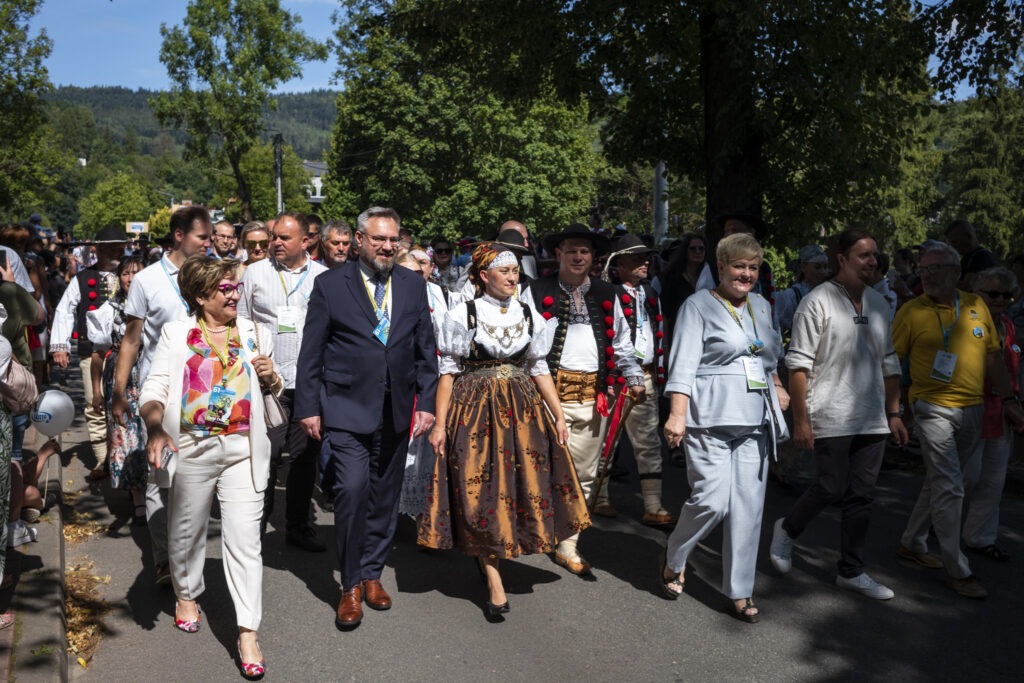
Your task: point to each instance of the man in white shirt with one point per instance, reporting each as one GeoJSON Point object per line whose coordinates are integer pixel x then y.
{"type": "Point", "coordinates": [276, 292]}
{"type": "Point", "coordinates": [844, 386]}
{"type": "Point", "coordinates": [154, 299]}
{"type": "Point", "coordinates": [591, 355]}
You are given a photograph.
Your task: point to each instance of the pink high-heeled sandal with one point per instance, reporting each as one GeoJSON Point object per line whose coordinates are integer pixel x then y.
{"type": "Point", "coordinates": [187, 625]}
{"type": "Point", "coordinates": [253, 671]}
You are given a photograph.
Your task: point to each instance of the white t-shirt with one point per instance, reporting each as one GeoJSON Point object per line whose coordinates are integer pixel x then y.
{"type": "Point", "coordinates": [155, 298]}
{"type": "Point", "coordinates": [846, 362]}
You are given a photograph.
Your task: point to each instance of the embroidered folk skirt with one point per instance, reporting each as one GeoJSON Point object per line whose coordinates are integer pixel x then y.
{"type": "Point", "coordinates": [504, 487]}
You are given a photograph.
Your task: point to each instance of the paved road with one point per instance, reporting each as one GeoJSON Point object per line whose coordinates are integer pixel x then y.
{"type": "Point", "coordinates": [562, 628]}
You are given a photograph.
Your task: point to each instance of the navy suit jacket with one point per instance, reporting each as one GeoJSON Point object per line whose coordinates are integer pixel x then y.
{"type": "Point", "coordinates": [343, 369]}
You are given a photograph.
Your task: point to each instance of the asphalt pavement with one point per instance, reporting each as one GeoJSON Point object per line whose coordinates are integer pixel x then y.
{"type": "Point", "coordinates": [615, 627]}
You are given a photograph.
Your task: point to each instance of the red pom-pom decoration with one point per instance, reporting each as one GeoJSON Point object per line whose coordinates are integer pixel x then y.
{"type": "Point", "coordinates": [657, 318]}
{"type": "Point", "coordinates": [609, 350]}
{"type": "Point", "coordinates": [610, 334]}
{"type": "Point", "coordinates": [653, 301]}
{"type": "Point", "coordinates": [547, 315]}
{"type": "Point", "coordinates": [659, 334]}
{"type": "Point", "coordinates": [628, 312]}
{"type": "Point", "coordinates": [661, 380]}
{"type": "Point", "coordinates": [93, 295]}
{"type": "Point", "coordinates": [609, 321]}
{"type": "Point", "coordinates": [610, 381]}
{"type": "Point", "coordinates": [660, 351]}
{"type": "Point", "coordinates": [91, 282]}
{"type": "Point", "coordinates": [625, 298]}
{"type": "Point", "coordinates": [548, 300]}
{"type": "Point", "coordinates": [622, 380]}
{"type": "Point", "coordinates": [606, 305]}
{"type": "Point", "coordinates": [610, 364]}
{"type": "Point", "coordinates": [74, 335]}
{"type": "Point", "coordinates": [92, 307]}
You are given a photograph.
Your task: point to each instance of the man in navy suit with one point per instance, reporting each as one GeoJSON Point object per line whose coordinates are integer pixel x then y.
{"type": "Point", "coordinates": [367, 351]}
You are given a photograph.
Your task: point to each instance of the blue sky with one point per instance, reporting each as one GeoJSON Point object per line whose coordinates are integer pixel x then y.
{"type": "Point", "coordinates": [117, 42]}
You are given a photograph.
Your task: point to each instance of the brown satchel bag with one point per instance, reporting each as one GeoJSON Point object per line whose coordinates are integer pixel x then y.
{"type": "Point", "coordinates": [18, 389]}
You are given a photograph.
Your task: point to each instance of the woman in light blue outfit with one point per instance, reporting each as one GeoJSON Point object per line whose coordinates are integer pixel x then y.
{"type": "Point", "coordinates": [726, 410]}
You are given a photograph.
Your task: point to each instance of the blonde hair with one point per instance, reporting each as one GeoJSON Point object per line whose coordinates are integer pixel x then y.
{"type": "Point", "coordinates": [739, 245]}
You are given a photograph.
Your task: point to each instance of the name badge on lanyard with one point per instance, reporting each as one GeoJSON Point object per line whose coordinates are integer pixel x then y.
{"type": "Point", "coordinates": [287, 320]}
{"type": "Point", "coordinates": [222, 399]}
{"type": "Point", "coordinates": [944, 365]}
{"type": "Point", "coordinates": [754, 369]}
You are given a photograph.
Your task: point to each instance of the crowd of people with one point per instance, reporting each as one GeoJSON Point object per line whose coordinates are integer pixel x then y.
{"type": "Point", "coordinates": [481, 386]}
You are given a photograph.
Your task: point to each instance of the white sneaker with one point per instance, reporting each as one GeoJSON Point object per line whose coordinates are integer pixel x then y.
{"type": "Point", "coordinates": [19, 533]}
{"type": "Point", "coordinates": [781, 550]}
{"type": "Point", "coordinates": [865, 585]}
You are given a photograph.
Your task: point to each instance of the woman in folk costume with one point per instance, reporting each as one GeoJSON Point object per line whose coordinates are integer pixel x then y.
{"type": "Point", "coordinates": [504, 483]}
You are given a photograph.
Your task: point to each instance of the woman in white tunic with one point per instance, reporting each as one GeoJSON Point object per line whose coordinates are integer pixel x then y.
{"type": "Point", "coordinates": [726, 409]}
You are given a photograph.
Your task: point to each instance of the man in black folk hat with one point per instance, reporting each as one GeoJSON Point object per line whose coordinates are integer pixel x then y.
{"type": "Point", "coordinates": [592, 354]}
{"type": "Point", "coordinates": [86, 292]}
{"type": "Point", "coordinates": [627, 268]}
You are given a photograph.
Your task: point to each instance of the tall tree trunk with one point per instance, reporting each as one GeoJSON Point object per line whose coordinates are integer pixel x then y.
{"type": "Point", "coordinates": [732, 136]}
{"type": "Point", "coordinates": [244, 193]}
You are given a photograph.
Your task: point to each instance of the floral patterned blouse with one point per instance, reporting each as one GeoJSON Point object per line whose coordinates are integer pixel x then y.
{"type": "Point", "coordinates": [205, 379]}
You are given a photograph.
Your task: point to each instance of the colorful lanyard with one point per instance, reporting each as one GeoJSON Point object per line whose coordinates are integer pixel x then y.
{"type": "Point", "coordinates": [224, 360]}
{"type": "Point", "coordinates": [174, 284]}
{"type": "Point", "coordinates": [284, 287]}
{"type": "Point", "coordinates": [755, 345]}
{"type": "Point", "coordinates": [946, 330]}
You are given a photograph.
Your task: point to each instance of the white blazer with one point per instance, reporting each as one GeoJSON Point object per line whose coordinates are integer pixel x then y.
{"type": "Point", "coordinates": [163, 385]}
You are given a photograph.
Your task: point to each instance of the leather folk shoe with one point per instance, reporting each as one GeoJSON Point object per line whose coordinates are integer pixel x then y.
{"type": "Point", "coordinates": [376, 596]}
{"type": "Point", "coordinates": [661, 518]}
{"type": "Point", "coordinates": [575, 565]}
{"type": "Point", "coordinates": [350, 609]}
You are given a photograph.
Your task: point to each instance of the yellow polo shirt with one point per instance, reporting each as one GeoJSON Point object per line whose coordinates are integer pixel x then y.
{"type": "Point", "coordinates": [917, 334]}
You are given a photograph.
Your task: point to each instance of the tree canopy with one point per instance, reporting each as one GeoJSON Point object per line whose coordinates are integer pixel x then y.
{"type": "Point", "coordinates": [452, 156]}
{"type": "Point", "coordinates": [115, 201]}
{"type": "Point", "coordinates": [258, 168]}
{"type": "Point", "coordinates": [224, 62]}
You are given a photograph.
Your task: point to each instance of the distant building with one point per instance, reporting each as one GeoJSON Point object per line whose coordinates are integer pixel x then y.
{"type": "Point", "coordinates": [316, 170]}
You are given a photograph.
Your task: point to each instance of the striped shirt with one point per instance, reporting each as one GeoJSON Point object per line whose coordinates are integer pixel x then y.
{"type": "Point", "coordinates": [271, 288]}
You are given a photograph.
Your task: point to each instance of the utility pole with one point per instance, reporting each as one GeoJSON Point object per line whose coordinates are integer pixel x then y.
{"type": "Point", "coordinates": [278, 167]}
{"type": "Point", "coordinates": [660, 202]}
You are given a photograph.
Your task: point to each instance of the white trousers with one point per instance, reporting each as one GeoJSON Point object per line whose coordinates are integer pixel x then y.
{"type": "Point", "coordinates": [218, 464]}
{"type": "Point", "coordinates": [95, 420]}
{"type": "Point", "coordinates": [727, 468]}
{"type": "Point", "coordinates": [983, 486]}
{"type": "Point", "coordinates": [586, 438]}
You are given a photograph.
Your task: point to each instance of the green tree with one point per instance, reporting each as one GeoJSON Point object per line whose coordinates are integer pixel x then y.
{"type": "Point", "coordinates": [29, 155]}
{"type": "Point", "coordinates": [160, 222]}
{"type": "Point", "coordinates": [224, 62]}
{"type": "Point", "coordinates": [258, 168]}
{"type": "Point", "coordinates": [115, 201]}
{"type": "Point", "coordinates": [451, 156]}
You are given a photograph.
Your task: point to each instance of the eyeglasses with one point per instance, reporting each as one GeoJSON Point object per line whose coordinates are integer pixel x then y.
{"type": "Point", "coordinates": [996, 294]}
{"type": "Point", "coordinates": [443, 251]}
{"type": "Point", "coordinates": [380, 240]}
{"type": "Point", "coordinates": [227, 290]}
{"type": "Point", "coordinates": [257, 244]}
{"type": "Point", "coordinates": [935, 268]}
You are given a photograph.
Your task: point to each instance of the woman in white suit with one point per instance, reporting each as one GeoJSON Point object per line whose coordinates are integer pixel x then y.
{"type": "Point", "coordinates": [203, 408]}
{"type": "Point", "coordinates": [726, 409]}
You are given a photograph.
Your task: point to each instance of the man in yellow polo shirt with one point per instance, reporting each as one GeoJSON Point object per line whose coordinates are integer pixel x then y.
{"type": "Point", "coordinates": [951, 342]}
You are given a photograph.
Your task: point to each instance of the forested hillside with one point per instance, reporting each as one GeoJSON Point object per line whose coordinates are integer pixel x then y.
{"type": "Point", "coordinates": [304, 119]}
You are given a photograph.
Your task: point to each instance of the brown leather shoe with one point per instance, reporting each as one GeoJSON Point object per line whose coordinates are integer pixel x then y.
{"type": "Point", "coordinates": [350, 609]}
{"type": "Point", "coordinates": [376, 596]}
{"type": "Point", "coordinates": [605, 510]}
{"type": "Point", "coordinates": [660, 518]}
{"type": "Point", "coordinates": [575, 565]}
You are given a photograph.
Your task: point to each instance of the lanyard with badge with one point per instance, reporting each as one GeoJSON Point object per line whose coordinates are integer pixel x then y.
{"type": "Point", "coordinates": [640, 347]}
{"type": "Point", "coordinates": [222, 399]}
{"type": "Point", "coordinates": [174, 284]}
{"type": "Point", "coordinates": [945, 362]}
{"type": "Point", "coordinates": [383, 321]}
{"type": "Point", "coordinates": [753, 367]}
{"type": "Point", "coordinates": [288, 315]}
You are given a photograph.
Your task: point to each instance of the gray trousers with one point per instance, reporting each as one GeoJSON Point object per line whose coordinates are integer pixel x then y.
{"type": "Point", "coordinates": [983, 484]}
{"type": "Point", "coordinates": [950, 440]}
{"type": "Point", "coordinates": [727, 468]}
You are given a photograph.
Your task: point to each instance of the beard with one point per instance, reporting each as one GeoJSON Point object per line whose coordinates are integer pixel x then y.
{"type": "Point", "coordinates": [381, 264]}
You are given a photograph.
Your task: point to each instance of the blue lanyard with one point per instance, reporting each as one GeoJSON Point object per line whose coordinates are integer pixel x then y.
{"type": "Point", "coordinates": [956, 317]}
{"type": "Point", "coordinates": [287, 294]}
{"type": "Point", "coordinates": [174, 283]}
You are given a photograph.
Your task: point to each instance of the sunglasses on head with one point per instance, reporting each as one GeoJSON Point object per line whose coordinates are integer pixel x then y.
{"type": "Point", "coordinates": [994, 294]}
{"type": "Point", "coordinates": [229, 289]}
{"type": "Point", "coordinates": [253, 244]}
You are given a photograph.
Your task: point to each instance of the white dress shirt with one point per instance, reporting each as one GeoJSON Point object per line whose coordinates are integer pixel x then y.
{"type": "Point", "coordinates": [154, 298]}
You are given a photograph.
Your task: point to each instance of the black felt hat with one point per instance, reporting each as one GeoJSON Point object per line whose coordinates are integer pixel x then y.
{"type": "Point", "coordinates": [578, 231]}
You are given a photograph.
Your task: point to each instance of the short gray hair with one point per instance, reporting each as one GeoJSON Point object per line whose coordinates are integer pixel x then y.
{"type": "Point", "coordinates": [334, 226]}
{"type": "Point", "coordinates": [936, 247]}
{"type": "Point", "coordinates": [1003, 276]}
{"type": "Point", "coordinates": [253, 226]}
{"type": "Point", "coordinates": [376, 212]}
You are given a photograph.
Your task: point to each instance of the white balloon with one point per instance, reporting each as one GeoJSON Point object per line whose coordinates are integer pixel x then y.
{"type": "Point", "coordinates": [52, 413]}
